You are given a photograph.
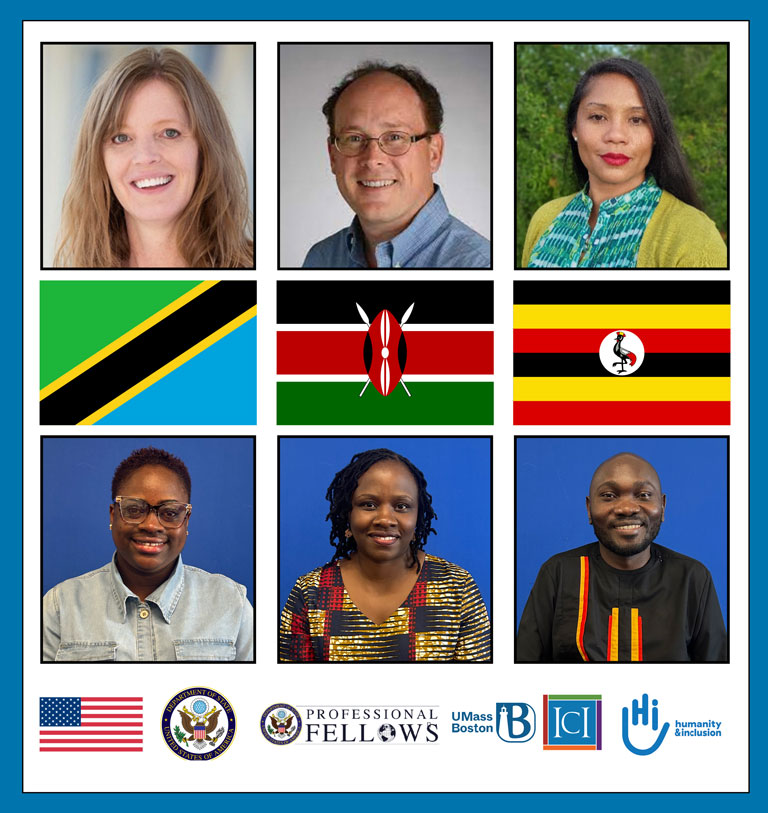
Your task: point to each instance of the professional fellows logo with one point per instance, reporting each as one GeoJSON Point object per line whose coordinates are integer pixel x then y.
{"type": "Point", "coordinates": [622, 352]}
{"type": "Point", "coordinates": [637, 733]}
{"type": "Point", "coordinates": [198, 724]}
{"type": "Point", "coordinates": [281, 724]}
{"type": "Point", "coordinates": [573, 722]}
{"type": "Point", "coordinates": [372, 725]}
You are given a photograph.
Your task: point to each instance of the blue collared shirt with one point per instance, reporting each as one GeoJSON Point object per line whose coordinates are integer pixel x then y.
{"type": "Point", "coordinates": [193, 616]}
{"type": "Point", "coordinates": [434, 239]}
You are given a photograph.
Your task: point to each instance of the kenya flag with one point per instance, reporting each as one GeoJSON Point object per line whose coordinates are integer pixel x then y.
{"type": "Point", "coordinates": [618, 353]}
{"type": "Point", "coordinates": [392, 352]}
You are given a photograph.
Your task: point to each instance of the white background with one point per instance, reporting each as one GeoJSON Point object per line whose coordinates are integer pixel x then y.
{"type": "Point", "coordinates": [455, 762]}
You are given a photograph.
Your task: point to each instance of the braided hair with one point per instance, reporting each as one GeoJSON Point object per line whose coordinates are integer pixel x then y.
{"type": "Point", "coordinates": [343, 486]}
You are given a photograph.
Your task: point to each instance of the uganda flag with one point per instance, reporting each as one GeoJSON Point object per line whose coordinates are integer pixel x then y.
{"type": "Point", "coordinates": [391, 352]}
{"type": "Point", "coordinates": [619, 353]}
{"type": "Point", "coordinates": [147, 353]}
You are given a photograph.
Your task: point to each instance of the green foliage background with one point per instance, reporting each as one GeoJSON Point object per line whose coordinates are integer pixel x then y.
{"type": "Point", "coordinates": [694, 80]}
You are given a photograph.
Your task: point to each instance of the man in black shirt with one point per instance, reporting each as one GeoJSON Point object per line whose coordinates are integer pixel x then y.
{"type": "Point", "coordinates": [623, 598]}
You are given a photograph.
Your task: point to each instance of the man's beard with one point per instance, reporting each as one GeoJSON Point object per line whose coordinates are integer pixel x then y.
{"type": "Point", "coordinates": [632, 549]}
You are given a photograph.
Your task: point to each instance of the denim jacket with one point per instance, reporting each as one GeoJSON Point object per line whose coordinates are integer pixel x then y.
{"type": "Point", "coordinates": [193, 616]}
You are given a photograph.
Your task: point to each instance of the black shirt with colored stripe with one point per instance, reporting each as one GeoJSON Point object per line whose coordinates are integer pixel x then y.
{"type": "Point", "coordinates": [581, 609]}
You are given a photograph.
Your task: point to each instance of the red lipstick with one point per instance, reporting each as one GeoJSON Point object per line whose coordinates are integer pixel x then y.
{"type": "Point", "coordinates": [615, 159]}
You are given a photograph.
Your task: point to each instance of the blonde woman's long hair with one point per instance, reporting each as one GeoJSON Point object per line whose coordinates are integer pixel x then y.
{"type": "Point", "coordinates": [214, 229]}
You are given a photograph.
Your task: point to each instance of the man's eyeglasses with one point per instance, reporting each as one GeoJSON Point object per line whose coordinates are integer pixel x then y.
{"type": "Point", "coordinates": [392, 142]}
{"type": "Point", "coordinates": [169, 514]}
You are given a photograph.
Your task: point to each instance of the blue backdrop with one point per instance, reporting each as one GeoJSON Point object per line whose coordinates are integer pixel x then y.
{"type": "Point", "coordinates": [552, 482]}
{"type": "Point", "coordinates": [77, 478]}
{"type": "Point", "coordinates": [458, 474]}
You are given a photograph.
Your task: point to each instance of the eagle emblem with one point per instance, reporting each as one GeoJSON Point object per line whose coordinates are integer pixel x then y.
{"type": "Point", "coordinates": [198, 724]}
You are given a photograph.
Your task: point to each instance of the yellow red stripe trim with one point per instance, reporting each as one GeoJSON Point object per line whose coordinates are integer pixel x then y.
{"type": "Point", "coordinates": [613, 635]}
{"type": "Point", "coordinates": [583, 600]}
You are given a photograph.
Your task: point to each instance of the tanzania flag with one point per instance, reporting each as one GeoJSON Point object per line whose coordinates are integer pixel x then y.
{"type": "Point", "coordinates": [622, 352]}
{"type": "Point", "coordinates": [392, 352]}
{"type": "Point", "coordinates": [147, 352]}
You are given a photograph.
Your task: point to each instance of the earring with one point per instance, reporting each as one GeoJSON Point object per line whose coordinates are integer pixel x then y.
{"type": "Point", "coordinates": [348, 534]}
{"type": "Point", "coordinates": [187, 533]}
{"type": "Point", "coordinates": [576, 138]}
{"type": "Point", "coordinates": [110, 526]}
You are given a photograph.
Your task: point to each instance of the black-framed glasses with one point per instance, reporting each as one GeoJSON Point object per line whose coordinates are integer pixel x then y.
{"type": "Point", "coordinates": [393, 142]}
{"type": "Point", "coordinates": [169, 514]}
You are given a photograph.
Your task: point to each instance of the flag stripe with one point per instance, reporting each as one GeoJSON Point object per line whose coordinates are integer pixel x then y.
{"type": "Point", "coordinates": [654, 364]}
{"type": "Point", "coordinates": [64, 740]}
{"type": "Point", "coordinates": [333, 301]}
{"type": "Point", "coordinates": [592, 413]}
{"type": "Point", "coordinates": [155, 347]}
{"type": "Point", "coordinates": [69, 733]}
{"type": "Point", "coordinates": [610, 292]}
{"type": "Point", "coordinates": [339, 403]}
{"type": "Point", "coordinates": [121, 723]}
{"type": "Point", "coordinates": [614, 317]}
{"type": "Point", "coordinates": [341, 352]}
{"type": "Point", "coordinates": [95, 748]}
{"type": "Point", "coordinates": [613, 389]}
{"type": "Point", "coordinates": [105, 699]}
{"type": "Point", "coordinates": [587, 340]}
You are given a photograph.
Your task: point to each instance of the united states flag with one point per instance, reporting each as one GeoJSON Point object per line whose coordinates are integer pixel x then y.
{"type": "Point", "coordinates": [91, 723]}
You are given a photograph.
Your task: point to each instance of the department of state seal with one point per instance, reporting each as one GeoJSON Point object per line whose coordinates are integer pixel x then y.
{"type": "Point", "coordinates": [281, 724]}
{"type": "Point", "coordinates": [198, 724]}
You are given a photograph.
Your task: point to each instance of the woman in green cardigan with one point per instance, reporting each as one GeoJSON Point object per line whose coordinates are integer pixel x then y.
{"type": "Point", "coordinates": [638, 207]}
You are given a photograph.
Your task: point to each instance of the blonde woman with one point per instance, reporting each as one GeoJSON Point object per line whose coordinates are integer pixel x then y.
{"type": "Point", "coordinates": [157, 181]}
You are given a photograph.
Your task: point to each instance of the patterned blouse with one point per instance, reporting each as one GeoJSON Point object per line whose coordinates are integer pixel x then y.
{"type": "Point", "coordinates": [442, 619]}
{"type": "Point", "coordinates": [568, 242]}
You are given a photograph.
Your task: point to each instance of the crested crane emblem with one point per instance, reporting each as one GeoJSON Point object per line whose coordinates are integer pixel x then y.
{"type": "Point", "coordinates": [622, 352]}
{"type": "Point", "coordinates": [385, 351]}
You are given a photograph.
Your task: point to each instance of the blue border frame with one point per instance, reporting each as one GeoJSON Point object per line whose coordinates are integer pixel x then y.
{"type": "Point", "coordinates": [10, 482]}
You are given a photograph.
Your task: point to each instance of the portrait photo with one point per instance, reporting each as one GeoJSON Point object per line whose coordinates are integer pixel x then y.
{"type": "Point", "coordinates": [385, 155]}
{"type": "Point", "coordinates": [159, 564]}
{"type": "Point", "coordinates": [148, 155]}
{"type": "Point", "coordinates": [638, 568]}
{"type": "Point", "coordinates": [380, 560]}
{"type": "Point", "coordinates": [621, 156]}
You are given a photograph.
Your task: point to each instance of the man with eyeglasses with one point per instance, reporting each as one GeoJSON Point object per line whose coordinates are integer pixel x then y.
{"type": "Point", "coordinates": [146, 605]}
{"type": "Point", "coordinates": [385, 145]}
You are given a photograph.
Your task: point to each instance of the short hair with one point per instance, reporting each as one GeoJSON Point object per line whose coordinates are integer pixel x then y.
{"type": "Point", "coordinates": [150, 456]}
{"type": "Point", "coordinates": [213, 231]}
{"type": "Point", "coordinates": [427, 92]}
{"type": "Point", "coordinates": [343, 485]}
{"type": "Point", "coordinates": [668, 164]}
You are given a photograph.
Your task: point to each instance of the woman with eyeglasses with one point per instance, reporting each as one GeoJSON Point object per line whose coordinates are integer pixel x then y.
{"type": "Point", "coordinates": [638, 207]}
{"type": "Point", "coordinates": [146, 605]}
{"type": "Point", "coordinates": [381, 598]}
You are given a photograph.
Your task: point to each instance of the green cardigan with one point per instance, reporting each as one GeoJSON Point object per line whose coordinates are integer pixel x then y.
{"type": "Point", "coordinates": [677, 235]}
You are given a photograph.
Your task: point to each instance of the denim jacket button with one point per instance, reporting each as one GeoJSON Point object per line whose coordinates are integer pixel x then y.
{"type": "Point", "coordinates": [143, 612]}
